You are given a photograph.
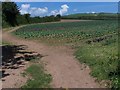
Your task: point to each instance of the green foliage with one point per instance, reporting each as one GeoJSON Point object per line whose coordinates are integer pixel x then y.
{"type": "Point", "coordinates": [10, 11]}
{"type": "Point", "coordinates": [27, 16]}
{"type": "Point", "coordinates": [39, 79]}
{"type": "Point", "coordinates": [25, 19]}
{"type": "Point", "coordinates": [21, 20]}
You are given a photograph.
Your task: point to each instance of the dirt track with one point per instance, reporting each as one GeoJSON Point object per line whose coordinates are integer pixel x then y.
{"type": "Point", "coordinates": [66, 71]}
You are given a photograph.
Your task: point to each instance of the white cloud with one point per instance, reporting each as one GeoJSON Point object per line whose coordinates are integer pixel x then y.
{"type": "Point", "coordinates": [34, 11]}
{"type": "Point", "coordinates": [24, 8]}
{"type": "Point", "coordinates": [63, 10]}
{"type": "Point", "coordinates": [65, 6]}
{"type": "Point", "coordinates": [54, 12]}
{"type": "Point", "coordinates": [38, 11]}
{"type": "Point", "coordinates": [93, 12]}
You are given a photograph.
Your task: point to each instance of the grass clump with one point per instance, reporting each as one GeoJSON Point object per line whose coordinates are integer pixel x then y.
{"type": "Point", "coordinates": [39, 79]}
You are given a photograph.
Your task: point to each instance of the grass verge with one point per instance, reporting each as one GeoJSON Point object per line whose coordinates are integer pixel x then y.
{"type": "Point", "coordinates": [39, 79]}
{"type": "Point", "coordinates": [102, 57]}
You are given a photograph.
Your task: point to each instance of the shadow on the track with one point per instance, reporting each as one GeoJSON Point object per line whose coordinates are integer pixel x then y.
{"type": "Point", "coordinates": [13, 56]}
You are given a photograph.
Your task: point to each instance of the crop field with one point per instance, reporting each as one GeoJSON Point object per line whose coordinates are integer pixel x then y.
{"type": "Point", "coordinates": [96, 44]}
{"type": "Point", "coordinates": [68, 32]}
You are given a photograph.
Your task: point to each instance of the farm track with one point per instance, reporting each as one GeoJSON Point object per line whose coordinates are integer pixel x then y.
{"type": "Point", "coordinates": [59, 61]}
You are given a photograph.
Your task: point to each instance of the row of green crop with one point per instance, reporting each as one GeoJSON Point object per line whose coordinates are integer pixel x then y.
{"type": "Point", "coordinates": [80, 30]}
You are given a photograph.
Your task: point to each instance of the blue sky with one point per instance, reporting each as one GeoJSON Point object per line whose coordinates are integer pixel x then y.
{"type": "Point", "coordinates": [64, 8]}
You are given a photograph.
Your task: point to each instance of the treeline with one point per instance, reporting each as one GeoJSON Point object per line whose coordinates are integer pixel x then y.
{"type": "Point", "coordinates": [11, 16]}
{"type": "Point", "coordinates": [96, 16]}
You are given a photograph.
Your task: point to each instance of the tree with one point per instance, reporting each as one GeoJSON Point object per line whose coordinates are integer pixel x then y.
{"type": "Point", "coordinates": [27, 16]}
{"type": "Point", "coordinates": [58, 17]}
{"type": "Point", "coordinates": [10, 12]}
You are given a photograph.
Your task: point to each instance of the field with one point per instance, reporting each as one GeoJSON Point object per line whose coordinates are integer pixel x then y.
{"type": "Point", "coordinates": [92, 16]}
{"type": "Point", "coordinates": [96, 44]}
{"type": "Point", "coordinates": [68, 32]}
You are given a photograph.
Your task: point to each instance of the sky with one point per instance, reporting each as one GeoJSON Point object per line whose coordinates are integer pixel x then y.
{"type": "Point", "coordinates": [65, 8]}
{"type": "Point", "coordinates": [62, 0]}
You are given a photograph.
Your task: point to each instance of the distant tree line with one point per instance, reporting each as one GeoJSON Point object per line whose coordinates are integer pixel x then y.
{"type": "Point", "coordinates": [96, 16]}
{"type": "Point", "coordinates": [11, 16]}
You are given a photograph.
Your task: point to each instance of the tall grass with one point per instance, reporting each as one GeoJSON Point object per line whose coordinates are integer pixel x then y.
{"type": "Point", "coordinates": [102, 57]}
